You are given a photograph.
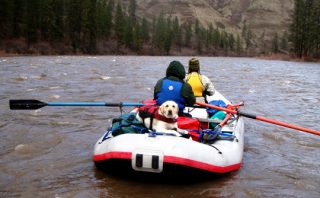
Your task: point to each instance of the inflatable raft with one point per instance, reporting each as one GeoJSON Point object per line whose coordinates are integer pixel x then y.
{"type": "Point", "coordinates": [154, 152]}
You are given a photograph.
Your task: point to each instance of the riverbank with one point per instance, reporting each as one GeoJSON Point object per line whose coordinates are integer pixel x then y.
{"type": "Point", "coordinates": [287, 57]}
{"type": "Point", "coordinates": [175, 52]}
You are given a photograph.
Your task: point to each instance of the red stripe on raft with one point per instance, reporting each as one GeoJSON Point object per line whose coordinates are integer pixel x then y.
{"type": "Point", "coordinates": [111, 155]}
{"type": "Point", "coordinates": [172, 160]}
{"type": "Point", "coordinates": [201, 165]}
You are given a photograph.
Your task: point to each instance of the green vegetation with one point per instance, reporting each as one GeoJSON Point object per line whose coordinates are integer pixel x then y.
{"type": "Point", "coordinates": [110, 27]}
{"type": "Point", "coordinates": [102, 27]}
{"type": "Point", "coordinates": [305, 29]}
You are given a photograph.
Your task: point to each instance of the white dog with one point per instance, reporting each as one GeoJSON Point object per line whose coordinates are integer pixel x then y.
{"type": "Point", "coordinates": [162, 119]}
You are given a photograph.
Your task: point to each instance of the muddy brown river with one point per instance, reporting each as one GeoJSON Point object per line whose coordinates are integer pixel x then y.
{"type": "Point", "coordinates": [48, 152]}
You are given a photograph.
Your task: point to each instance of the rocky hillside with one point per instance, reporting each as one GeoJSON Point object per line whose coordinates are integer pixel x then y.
{"type": "Point", "coordinates": [263, 18]}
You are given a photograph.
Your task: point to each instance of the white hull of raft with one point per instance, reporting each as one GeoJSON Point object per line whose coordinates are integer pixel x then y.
{"type": "Point", "coordinates": [151, 153]}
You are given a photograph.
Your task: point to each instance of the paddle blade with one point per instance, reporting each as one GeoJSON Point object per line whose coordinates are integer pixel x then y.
{"type": "Point", "coordinates": [26, 104]}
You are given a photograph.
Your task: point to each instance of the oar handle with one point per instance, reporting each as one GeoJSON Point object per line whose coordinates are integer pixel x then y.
{"type": "Point", "coordinates": [225, 120]}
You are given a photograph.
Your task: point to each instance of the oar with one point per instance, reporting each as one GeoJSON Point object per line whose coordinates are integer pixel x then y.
{"type": "Point", "coordinates": [36, 104]}
{"type": "Point", "coordinates": [260, 118]}
{"type": "Point", "coordinates": [218, 128]}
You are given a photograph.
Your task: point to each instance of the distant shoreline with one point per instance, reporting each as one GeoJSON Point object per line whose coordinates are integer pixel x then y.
{"type": "Point", "coordinates": [286, 57]}
{"type": "Point", "coordinates": [281, 57]}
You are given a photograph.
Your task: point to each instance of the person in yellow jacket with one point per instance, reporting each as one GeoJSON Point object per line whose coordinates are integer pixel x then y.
{"type": "Point", "coordinates": [201, 84]}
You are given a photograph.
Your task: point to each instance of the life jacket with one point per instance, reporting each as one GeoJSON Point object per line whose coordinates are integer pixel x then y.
{"type": "Point", "coordinates": [194, 79]}
{"type": "Point", "coordinates": [153, 112]}
{"type": "Point", "coordinates": [171, 90]}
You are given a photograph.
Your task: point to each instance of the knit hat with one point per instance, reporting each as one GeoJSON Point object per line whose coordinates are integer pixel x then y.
{"type": "Point", "coordinates": [176, 69]}
{"type": "Point", "coordinates": [194, 65]}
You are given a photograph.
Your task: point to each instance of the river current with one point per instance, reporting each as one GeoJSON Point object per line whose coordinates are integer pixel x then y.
{"type": "Point", "coordinates": [48, 152]}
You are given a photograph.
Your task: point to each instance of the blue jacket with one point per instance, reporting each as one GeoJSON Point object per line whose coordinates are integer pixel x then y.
{"type": "Point", "coordinates": [172, 87]}
{"type": "Point", "coordinates": [171, 90]}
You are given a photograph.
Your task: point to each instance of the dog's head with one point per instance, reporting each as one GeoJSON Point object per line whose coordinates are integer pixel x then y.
{"type": "Point", "coordinates": [169, 109]}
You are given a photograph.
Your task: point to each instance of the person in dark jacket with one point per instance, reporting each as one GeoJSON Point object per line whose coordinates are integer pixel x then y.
{"type": "Point", "coordinates": [173, 87]}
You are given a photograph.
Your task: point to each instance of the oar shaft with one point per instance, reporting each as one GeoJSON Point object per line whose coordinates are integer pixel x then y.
{"type": "Point", "coordinates": [225, 120]}
{"type": "Point", "coordinates": [93, 104]}
{"type": "Point", "coordinates": [278, 123]}
{"type": "Point", "coordinates": [287, 125]}
{"type": "Point", "coordinates": [260, 118]}
{"type": "Point", "coordinates": [36, 104]}
{"type": "Point", "coordinates": [55, 104]}
{"type": "Point", "coordinates": [217, 107]}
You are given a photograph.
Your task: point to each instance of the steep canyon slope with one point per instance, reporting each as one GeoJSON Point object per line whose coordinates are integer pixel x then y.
{"type": "Point", "coordinates": [263, 18]}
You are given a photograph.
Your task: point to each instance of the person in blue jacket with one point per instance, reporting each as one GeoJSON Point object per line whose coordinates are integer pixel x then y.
{"type": "Point", "coordinates": [173, 87]}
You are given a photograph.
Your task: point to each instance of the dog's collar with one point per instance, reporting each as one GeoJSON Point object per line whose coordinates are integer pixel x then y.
{"type": "Point", "coordinates": [158, 116]}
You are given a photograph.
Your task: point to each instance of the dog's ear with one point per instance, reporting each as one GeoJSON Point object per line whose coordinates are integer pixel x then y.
{"type": "Point", "coordinates": [176, 115]}
{"type": "Point", "coordinates": [161, 108]}
{"type": "Point", "coordinates": [177, 108]}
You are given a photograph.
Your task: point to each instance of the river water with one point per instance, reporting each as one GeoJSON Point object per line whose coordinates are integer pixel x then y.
{"type": "Point", "coordinates": [48, 152]}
